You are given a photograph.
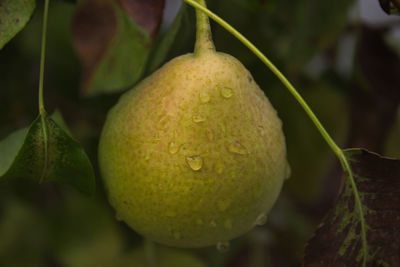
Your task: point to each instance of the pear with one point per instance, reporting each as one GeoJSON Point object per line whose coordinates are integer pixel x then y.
{"type": "Point", "coordinates": [194, 155]}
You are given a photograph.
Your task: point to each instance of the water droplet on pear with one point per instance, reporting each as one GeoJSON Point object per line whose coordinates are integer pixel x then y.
{"type": "Point", "coordinates": [261, 219]}
{"type": "Point", "coordinates": [204, 97]}
{"type": "Point", "coordinates": [223, 246]}
{"type": "Point", "coordinates": [198, 118]}
{"type": "Point", "coordinates": [226, 92]}
{"type": "Point", "coordinates": [237, 148]}
{"type": "Point", "coordinates": [173, 147]}
{"type": "Point", "coordinates": [195, 162]}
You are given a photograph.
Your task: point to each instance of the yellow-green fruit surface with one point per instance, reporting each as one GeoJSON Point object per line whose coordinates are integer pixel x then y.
{"type": "Point", "coordinates": [195, 154]}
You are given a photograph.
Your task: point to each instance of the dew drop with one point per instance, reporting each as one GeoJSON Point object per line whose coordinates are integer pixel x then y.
{"type": "Point", "coordinates": [261, 219]}
{"type": "Point", "coordinates": [173, 147]}
{"type": "Point", "coordinates": [195, 162]}
{"type": "Point", "coordinates": [237, 148]}
{"type": "Point", "coordinates": [226, 92]}
{"type": "Point", "coordinates": [223, 246]}
{"type": "Point", "coordinates": [261, 130]}
{"type": "Point", "coordinates": [204, 97]}
{"type": "Point", "coordinates": [198, 118]}
{"type": "Point", "coordinates": [288, 171]}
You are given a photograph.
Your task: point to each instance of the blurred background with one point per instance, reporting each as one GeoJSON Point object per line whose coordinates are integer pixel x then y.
{"type": "Point", "coordinates": [342, 56]}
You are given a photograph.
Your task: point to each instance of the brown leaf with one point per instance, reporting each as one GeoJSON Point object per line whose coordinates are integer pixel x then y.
{"type": "Point", "coordinates": [337, 241]}
{"type": "Point", "coordinates": [147, 14]}
{"type": "Point", "coordinates": [114, 39]}
{"type": "Point", "coordinates": [93, 29]}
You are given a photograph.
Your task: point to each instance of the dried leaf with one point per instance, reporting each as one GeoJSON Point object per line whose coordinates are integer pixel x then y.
{"type": "Point", "coordinates": [94, 26]}
{"type": "Point", "coordinates": [14, 15]}
{"type": "Point", "coordinates": [113, 47]}
{"type": "Point", "coordinates": [337, 241]}
{"type": "Point", "coordinates": [27, 154]}
{"type": "Point", "coordinates": [148, 14]}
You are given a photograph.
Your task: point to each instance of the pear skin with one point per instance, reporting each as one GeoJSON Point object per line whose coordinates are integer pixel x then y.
{"type": "Point", "coordinates": [194, 154]}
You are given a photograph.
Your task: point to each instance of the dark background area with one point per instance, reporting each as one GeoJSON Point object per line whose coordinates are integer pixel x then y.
{"type": "Point", "coordinates": [343, 57]}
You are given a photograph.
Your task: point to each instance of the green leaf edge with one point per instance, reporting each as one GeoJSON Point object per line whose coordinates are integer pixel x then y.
{"type": "Point", "coordinates": [5, 41]}
{"type": "Point", "coordinates": [164, 42]}
{"type": "Point", "coordinates": [17, 150]}
{"type": "Point", "coordinates": [126, 27]}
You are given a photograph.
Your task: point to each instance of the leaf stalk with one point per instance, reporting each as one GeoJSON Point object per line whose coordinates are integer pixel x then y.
{"type": "Point", "coordinates": [42, 110]}
{"type": "Point", "coordinates": [42, 57]}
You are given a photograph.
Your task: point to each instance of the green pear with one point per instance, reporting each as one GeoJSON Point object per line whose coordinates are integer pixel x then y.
{"type": "Point", "coordinates": [194, 154]}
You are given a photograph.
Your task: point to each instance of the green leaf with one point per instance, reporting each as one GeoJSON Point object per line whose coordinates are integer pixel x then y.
{"type": "Point", "coordinates": [164, 43]}
{"type": "Point", "coordinates": [337, 241]}
{"type": "Point", "coordinates": [14, 14]}
{"type": "Point", "coordinates": [114, 41]}
{"type": "Point", "coordinates": [54, 156]}
{"type": "Point", "coordinates": [9, 148]}
{"type": "Point", "coordinates": [57, 118]}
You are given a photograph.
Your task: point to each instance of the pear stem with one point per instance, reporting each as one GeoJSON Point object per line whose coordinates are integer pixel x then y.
{"type": "Point", "coordinates": [204, 42]}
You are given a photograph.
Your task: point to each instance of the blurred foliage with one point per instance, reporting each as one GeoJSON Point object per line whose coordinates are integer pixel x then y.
{"type": "Point", "coordinates": [390, 6]}
{"type": "Point", "coordinates": [52, 225]}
